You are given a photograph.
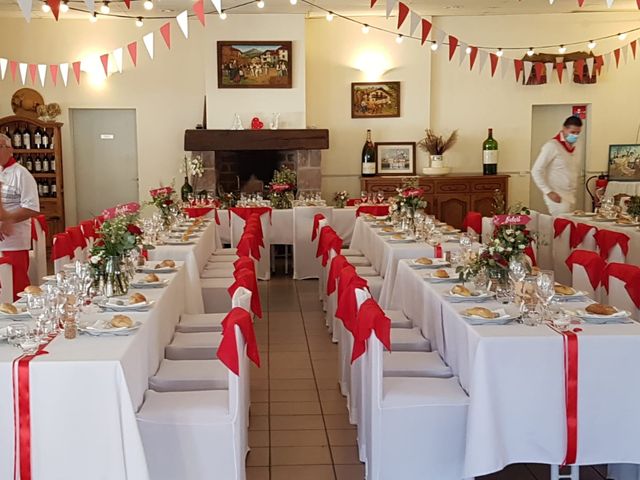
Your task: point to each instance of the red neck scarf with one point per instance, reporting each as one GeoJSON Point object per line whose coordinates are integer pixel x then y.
{"type": "Point", "coordinates": [567, 146]}
{"type": "Point", "coordinates": [12, 161]}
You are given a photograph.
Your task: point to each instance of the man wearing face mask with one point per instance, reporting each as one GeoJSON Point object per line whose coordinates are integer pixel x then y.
{"type": "Point", "coordinates": [556, 170]}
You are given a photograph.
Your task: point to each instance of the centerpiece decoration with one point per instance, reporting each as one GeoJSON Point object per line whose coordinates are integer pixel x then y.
{"type": "Point", "coordinates": [408, 201]}
{"type": "Point", "coordinates": [435, 145]}
{"type": "Point", "coordinates": [164, 200]}
{"type": "Point", "coordinates": [341, 199]}
{"type": "Point", "coordinates": [633, 207]}
{"type": "Point", "coordinates": [282, 187]}
{"type": "Point", "coordinates": [119, 235]}
{"type": "Point", "coordinates": [193, 169]}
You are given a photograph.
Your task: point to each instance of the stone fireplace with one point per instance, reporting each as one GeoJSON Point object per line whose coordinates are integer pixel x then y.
{"type": "Point", "coordinates": [244, 160]}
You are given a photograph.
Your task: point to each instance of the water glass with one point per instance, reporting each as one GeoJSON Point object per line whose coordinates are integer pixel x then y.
{"type": "Point", "coordinates": [545, 288]}
{"type": "Point", "coordinates": [480, 281]}
{"type": "Point", "coordinates": [380, 196]}
{"type": "Point", "coordinates": [30, 341]}
{"type": "Point", "coordinates": [530, 314]}
{"type": "Point", "coordinates": [15, 332]}
{"type": "Point", "coordinates": [363, 196]}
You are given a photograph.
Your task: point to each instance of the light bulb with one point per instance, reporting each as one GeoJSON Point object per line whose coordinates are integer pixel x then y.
{"type": "Point", "coordinates": [365, 28]}
{"type": "Point", "coordinates": [148, 5]}
{"type": "Point", "coordinates": [139, 22]}
{"type": "Point", "coordinates": [399, 39]}
{"type": "Point", "coordinates": [591, 44]}
{"type": "Point", "coordinates": [93, 18]}
{"type": "Point", "coordinates": [562, 49]}
{"type": "Point", "coordinates": [64, 6]}
{"type": "Point", "coordinates": [293, 2]}
{"type": "Point", "coordinates": [45, 7]}
{"type": "Point", "coordinates": [622, 36]}
{"type": "Point", "coordinates": [223, 15]}
{"type": "Point", "coordinates": [531, 52]}
{"type": "Point", "coordinates": [468, 50]}
{"type": "Point", "coordinates": [260, 4]}
{"type": "Point", "coordinates": [329, 16]}
{"type": "Point", "coordinates": [434, 46]}
{"type": "Point", "coordinates": [499, 52]}
{"type": "Point", "coordinates": [104, 8]}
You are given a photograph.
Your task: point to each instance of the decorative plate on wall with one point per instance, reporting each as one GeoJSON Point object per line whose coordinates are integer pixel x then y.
{"type": "Point", "coordinates": [25, 102]}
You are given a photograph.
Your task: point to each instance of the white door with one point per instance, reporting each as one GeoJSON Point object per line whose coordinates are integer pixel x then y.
{"type": "Point", "coordinates": [106, 159]}
{"type": "Point", "coordinates": [546, 122]}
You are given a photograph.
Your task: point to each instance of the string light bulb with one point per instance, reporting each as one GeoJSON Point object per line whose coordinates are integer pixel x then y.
{"type": "Point", "coordinates": [223, 15]}
{"type": "Point", "coordinates": [64, 6]}
{"type": "Point", "coordinates": [365, 28]}
{"type": "Point", "coordinates": [148, 5]}
{"type": "Point", "coordinates": [93, 18]}
{"type": "Point", "coordinates": [104, 8]}
{"type": "Point", "coordinates": [434, 46]}
{"type": "Point", "coordinates": [293, 2]}
{"type": "Point", "coordinates": [260, 4]}
{"type": "Point", "coordinates": [499, 53]}
{"type": "Point", "coordinates": [562, 49]}
{"type": "Point", "coordinates": [45, 7]}
{"type": "Point", "coordinates": [399, 39]}
{"type": "Point", "coordinates": [591, 45]}
{"type": "Point", "coordinates": [139, 22]}
{"type": "Point", "coordinates": [531, 52]}
{"type": "Point", "coordinates": [622, 36]}
{"type": "Point", "coordinates": [329, 16]}
{"type": "Point", "coordinates": [468, 50]}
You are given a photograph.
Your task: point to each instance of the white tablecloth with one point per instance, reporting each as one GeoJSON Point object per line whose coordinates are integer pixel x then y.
{"type": "Point", "coordinates": [195, 258]}
{"type": "Point", "coordinates": [629, 188]}
{"type": "Point", "coordinates": [85, 394]}
{"type": "Point", "coordinates": [514, 375]}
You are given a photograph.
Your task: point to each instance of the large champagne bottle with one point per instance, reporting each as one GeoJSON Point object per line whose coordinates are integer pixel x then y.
{"type": "Point", "coordinates": [368, 157]}
{"type": "Point", "coordinates": [490, 155]}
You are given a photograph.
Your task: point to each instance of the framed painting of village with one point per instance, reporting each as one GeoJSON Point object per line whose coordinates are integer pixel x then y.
{"type": "Point", "coordinates": [624, 163]}
{"type": "Point", "coordinates": [251, 64]}
{"type": "Point", "coordinates": [375, 100]}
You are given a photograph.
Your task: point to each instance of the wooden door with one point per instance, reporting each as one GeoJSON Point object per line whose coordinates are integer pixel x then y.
{"type": "Point", "coordinates": [453, 208]}
{"type": "Point", "coordinates": [483, 203]}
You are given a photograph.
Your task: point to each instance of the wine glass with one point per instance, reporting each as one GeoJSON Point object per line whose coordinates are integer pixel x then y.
{"type": "Point", "coordinates": [380, 196]}
{"type": "Point", "coordinates": [363, 196]}
{"type": "Point", "coordinates": [36, 308]}
{"type": "Point", "coordinates": [480, 281]}
{"type": "Point", "coordinates": [15, 332]}
{"type": "Point", "coordinates": [545, 288]}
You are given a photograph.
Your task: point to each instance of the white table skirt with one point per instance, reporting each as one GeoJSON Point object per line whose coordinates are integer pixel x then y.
{"type": "Point", "coordinates": [514, 375]}
{"type": "Point", "coordinates": [85, 394]}
{"type": "Point", "coordinates": [629, 188]}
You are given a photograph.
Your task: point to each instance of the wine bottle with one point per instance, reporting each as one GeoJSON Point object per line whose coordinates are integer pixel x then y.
{"type": "Point", "coordinates": [17, 138]}
{"type": "Point", "coordinates": [37, 138]}
{"type": "Point", "coordinates": [368, 157]}
{"type": "Point", "coordinates": [46, 140]}
{"type": "Point", "coordinates": [40, 189]}
{"type": "Point", "coordinates": [54, 190]}
{"type": "Point", "coordinates": [45, 164]}
{"type": "Point", "coordinates": [37, 165]}
{"type": "Point", "coordinates": [490, 155]}
{"type": "Point", "coordinates": [29, 164]}
{"type": "Point", "coordinates": [186, 190]}
{"type": "Point", "coordinates": [26, 138]}
{"type": "Point", "coordinates": [52, 164]}
{"type": "Point", "coordinates": [45, 189]}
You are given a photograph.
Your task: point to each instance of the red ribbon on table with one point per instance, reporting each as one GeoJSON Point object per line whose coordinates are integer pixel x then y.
{"type": "Point", "coordinates": [578, 233]}
{"type": "Point", "coordinates": [375, 210]}
{"type": "Point", "coordinates": [347, 304]}
{"type": "Point", "coordinates": [22, 412]}
{"type": "Point", "coordinates": [607, 239]}
{"type": "Point", "coordinates": [246, 212]}
{"type": "Point", "coordinates": [249, 245]}
{"type": "Point", "coordinates": [77, 237]}
{"type": "Point", "coordinates": [316, 225]}
{"type": "Point", "coordinates": [371, 318]}
{"type": "Point", "coordinates": [247, 279]}
{"type": "Point", "coordinates": [62, 246]}
{"type": "Point", "coordinates": [629, 274]}
{"type": "Point", "coordinates": [591, 262]}
{"type": "Point", "coordinates": [473, 220]}
{"type": "Point", "coordinates": [227, 350]}
{"type": "Point", "coordinates": [328, 240]}
{"type": "Point", "coordinates": [337, 264]}
{"type": "Point", "coordinates": [560, 225]}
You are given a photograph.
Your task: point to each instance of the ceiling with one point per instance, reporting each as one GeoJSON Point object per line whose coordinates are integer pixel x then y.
{"type": "Point", "coordinates": [348, 7]}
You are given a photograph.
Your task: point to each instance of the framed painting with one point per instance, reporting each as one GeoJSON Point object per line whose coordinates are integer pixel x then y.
{"type": "Point", "coordinates": [249, 64]}
{"type": "Point", "coordinates": [375, 100]}
{"type": "Point", "coordinates": [396, 158]}
{"type": "Point", "coordinates": [624, 163]}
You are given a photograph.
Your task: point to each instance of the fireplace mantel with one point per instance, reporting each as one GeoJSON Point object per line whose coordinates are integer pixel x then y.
{"type": "Point", "coordinates": [238, 140]}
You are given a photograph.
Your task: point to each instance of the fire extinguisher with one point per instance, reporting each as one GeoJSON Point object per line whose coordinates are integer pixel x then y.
{"type": "Point", "coordinates": [600, 188]}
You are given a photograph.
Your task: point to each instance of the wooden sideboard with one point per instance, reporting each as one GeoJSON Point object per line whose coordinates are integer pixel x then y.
{"type": "Point", "coordinates": [450, 197]}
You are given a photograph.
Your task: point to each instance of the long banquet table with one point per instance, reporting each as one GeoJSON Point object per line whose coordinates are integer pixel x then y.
{"type": "Point", "coordinates": [85, 393]}
{"type": "Point", "coordinates": [514, 375]}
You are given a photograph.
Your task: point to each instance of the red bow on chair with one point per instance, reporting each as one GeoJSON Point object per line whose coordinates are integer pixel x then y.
{"type": "Point", "coordinates": [591, 262]}
{"type": "Point", "coordinates": [249, 245]}
{"type": "Point", "coordinates": [629, 274]}
{"type": "Point", "coordinates": [371, 318]}
{"type": "Point", "coordinates": [337, 264]}
{"type": "Point", "coordinates": [607, 239]}
{"type": "Point", "coordinates": [228, 348]}
{"type": "Point", "coordinates": [62, 246]}
{"type": "Point", "coordinates": [88, 229]}
{"type": "Point", "coordinates": [347, 303]}
{"type": "Point", "coordinates": [42, 220]}
{"type": "Point", "coordinates": [246, 212]}
{"type": "Point", "coordinates": [473, 220]}
{"type": "Point", "coordinates": [328, 240]}
{"type": "Point", "coordinates": [560, 225]}
{"type": "Point", "coordinates": [316, 224]}
{"type": "Point", "coordinates": [255, 230]}
{"type": "Point", "coordinates": [245, 262]}
{"type": "Point", "coordinates": [579, 232]}
{"type": "Point", "coordinates": [247, 279]}
{"type": "Point", "coordinates": [77, 237]}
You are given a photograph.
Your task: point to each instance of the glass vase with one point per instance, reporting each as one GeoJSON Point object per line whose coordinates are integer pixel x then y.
{"type": "Point", "coordinates": [116, 282]}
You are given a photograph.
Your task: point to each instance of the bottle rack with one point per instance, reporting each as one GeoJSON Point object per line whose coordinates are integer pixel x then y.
{"type": "Point", "coordinates": [49, 176]}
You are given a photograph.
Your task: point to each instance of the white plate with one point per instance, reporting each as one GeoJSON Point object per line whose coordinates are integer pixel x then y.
{"type": "Point", "coordinates": [155, 270]}
{"type": "Point", "coordinates": [584, 215]}
{"type": "Point", "coordinates": [437, 263]}
{"type": "Point", "coordinates": [579, 295]}
{"type": "Point", "coordinates": [173, 242]}
{"type": "Point", "coordinates": [502, 319]}
{"type": "Point", "coordinates": [125, 307]}
{"type": "Point", "coordinates": [450, 232]}
{"type": "Point", "coordinates": [428, 277]}
{"type": "Point", "coordinates": [592, 317]}
{"type": "Point", "coordinates": [604, 220]}
{"type": "Point", "coordinates": [627, 224]}
{"type": "Point", "coordinates": [455, 298]}
{"type": "Point", "coordinates": [404, 240]}
{"type": "Point", "coordinates": [23, 314]}
{"type": "Point", "coordinates": [102, 327]}
{"type": "Point", "coordinates": [142, 284]}
{"type": "Point", "coordinates": [49, 278]}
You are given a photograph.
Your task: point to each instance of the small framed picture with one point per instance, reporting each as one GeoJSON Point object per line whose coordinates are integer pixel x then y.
{"type": "Point", "coordinates": [249, 64]}
{"type": "Point", "coordinates": [375, 100]}
{"type": "Point", "coordinates": [396, 158]}
{"type": "Point", "coordinates": [624, 163]}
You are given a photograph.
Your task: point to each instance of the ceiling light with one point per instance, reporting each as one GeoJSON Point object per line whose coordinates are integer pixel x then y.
{"type": "Point", "coordinates": [622, 36]}
{"type": "Point", "coordinates": [104, 8]}
{"type": "Point", "coordinates": [531, 52]}
{"type": "Point", "coordinates": [468, 50]}
{"type": "Point", "coordinates": [293, 2]}
{"type": "Point", "coordinates": [434, 46]}
{"type": "Point", "coordinates": [329, 16]}
{"type": "Point", "coordinates": [260, 3]}
{"type": "Point", "coordinates": [365, 28]}
{"type": "Point", "coordinates": [93, 18]}
{"type": "Point", "coordinates": [562, 49]}
{"type": "Point", "coordinates": [399, 39]}
{"type": "Point", "coordinates": [148, 5]}
{"type": "Point", "coordinates": [64, 6]}
{"type": "Point", "coordinates": [499, 52]}
{"type": "Point", "coordinates": [45, 7]}
{"type": "Point", "coordinates": [591, 44]}
{"type": "Point", "coordinates": [139, 22]}
{"type": "Point", "coordinates": [223, 15]}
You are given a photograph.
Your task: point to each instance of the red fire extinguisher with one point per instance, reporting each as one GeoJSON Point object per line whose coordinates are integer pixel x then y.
{"type": "Point", "coordinates": [600, 188]}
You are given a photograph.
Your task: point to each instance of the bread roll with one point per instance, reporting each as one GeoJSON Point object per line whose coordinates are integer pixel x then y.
{"type": "Point", "coordinates": [33, 290]}
{"type": "Point", "coordinates": [481, 312]}
{"type": "Point", "coordinates": [167, 264]}
{"type": "Point", "coordinates": [440, 273]}
{"type": "Point", "coordinates": [461, 290]}
{"type": "Point", "coordinates": [121, 321]}
{"type": "Point", "coordinates": [564, 290]}
{"type": "Point", "coordinates": [624, 221]}
{"type": "Point", "coordinates": [578, 212]}
{"type": "Point", "coordinates": [388, 229]}
{"type": "Point", "coordinates": [424, 261]}
{"type": "Point", "coordinates": [600, 309]}
{"type": "Point", "coordinates": [398, 236]}
{"type": "Point", "coordinates": [136, 298]}
{"type": "Point", "coordinates": [8, 308]}
{"type": "Point", "coordinates": [151, 278]}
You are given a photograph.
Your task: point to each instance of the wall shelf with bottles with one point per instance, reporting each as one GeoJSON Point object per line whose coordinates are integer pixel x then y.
{"type": "Point", "coordinates": [37, 146]}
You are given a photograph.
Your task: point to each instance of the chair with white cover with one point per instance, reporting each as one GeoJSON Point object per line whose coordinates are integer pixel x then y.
{"type": "Point", "coordinates": [622, 282]}
{"type": "Point", "coordinates": [305, 264]}
{"type": "Point", "coordinates": [6, 280]}
{"type": "Point", "coordinates": [214, 294]}
{"type": "Point", "coordinates": [61, 251]}
{"type": "Point", "coordinates": [613, 246]}
{"type": "Point", "coordinates": [473, 223]}
{"type": "Point", "coordinates": [586, 269]}
{"type": "Point", "coordinates": [188, 435]}
{"type": "Point", "coordinates": [38, 252]}
{"type": "Point", "coordinates": [584, 237]}
{"type": "Point", "coordinates": [78, 242]}
{"type": "Point", "coordinates": [263, 269]}
{"type": "Point", "coordinates": [544, 241]}
{"type": "Point", "coordinates": [562, 233]}
{"type": "Point", "coordinates": [413, 428]}
{"type": "Point", "coordinates": [487, 229]}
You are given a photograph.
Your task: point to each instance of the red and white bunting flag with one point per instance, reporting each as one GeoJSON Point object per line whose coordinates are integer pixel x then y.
{"type": "Point", "coordinates": [55, 8]}
{"type": "Point", "coordinates": [183, 23]}
{"type": "Point", "coordinates": [548, 66]}
{"type": "Point", "coordinates": [23, 72]}
{"type": "Point", "coordinates": [198, 9]}
{"type": "Point", "coordinates": [118, 54]}
{"type": "Point", "coordinates": [42, 73]}
{"type": "Point", "coordinates": [64, 73]}
{"type": "Point", "coordinates": [165, 31]}
{"type": "Point", "coordinates": [570, 70]}
{"type": "Point", "coordinates": [580, 3]}
{"type": "Point", "coordinates": [75, 66]}
{"type": "Point", "coordinates": [506, 65]}
{"type": "Point", "coordinates": [217, 4]}
{"type": "Point", "coordinates": [403, 11]}
{"type": "Point", "coordinates": [453, 44]}
{"type": "Point", "coordinates": [438, 35]}
{"type": "Point", "coordinates": [463, 53]}
{"type": "Point", "coordinates": [91, 7]}
{"type": "Point", "coordinates": [33, 71]}
{"type": "Point", "coordinates": [53, 70]}
{"type": "Point", "coordinates": [634, 46]}
{"type": "Point", "coordinates": [472, 57]}
{"type": "Point", "coordinates": [3, 67]}
{"type": "Point", "coordinates": [560, 70]}
{"type": "Point", "coordinates": [426, 28]}
{"type": "Point", "coordinates": [391, 4]}
{"type": "Point", "coordinates": [128, 3]}
{"type": "Point", "coordinates": [518, 66]}
{"type": "Point", "coordinates": [590, 63]}
{"type": "Point", "coordinates": [13, 68]}
{"type": "Point", "coordinates": [483, 57]}
{"type": "Point", "coordinates": [494, 63]}
{"type": "Point", "coordinates": [598, 64]}
{"type": "Point", "coordinates": [609, 3]}
{"type": "Point", "coordinates": [638, 3]}
{"type": "Point", "coordinates": [133, 52]}
{"type": "Point", "coordinates": [415, 21]}
{"type": "Point", "coordinates": [25, 8]}
{"type": "Point", "coordinates": [528, 66]}
{"type": "Point", "coordinates": [148, 43]}
{"type": "Point", "coordinates": [373, 3]}
{"type": "Point", "coordinates": [625, 53]}
{"type": "Point", "coordinates": [104, 58]}
{"type": "Point", "coordinates": [616, 53]}
{"type": "Point", "coordinates": [579, 68]}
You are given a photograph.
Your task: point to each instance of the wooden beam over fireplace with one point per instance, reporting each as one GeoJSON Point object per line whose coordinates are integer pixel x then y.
{"type": "Point", "coordinates": [234, 140]}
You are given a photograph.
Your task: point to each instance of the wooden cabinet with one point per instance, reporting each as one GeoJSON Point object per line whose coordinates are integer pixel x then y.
{"type": "Point", "coordinates": [450, 197]}
{"type": "Point", "coordinates": [51, 205]}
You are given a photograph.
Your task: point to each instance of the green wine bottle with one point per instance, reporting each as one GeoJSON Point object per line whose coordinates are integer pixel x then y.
{"type": "Point", "coordinates": [490, 155]}
{"type": "Point", "coordinates": [186, 190]}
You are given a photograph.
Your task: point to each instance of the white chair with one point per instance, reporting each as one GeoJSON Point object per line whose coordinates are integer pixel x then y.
{"type": "Point", "coordinates": [200, 322]}
{"type": "Point", "coordinates": [616, 254]}
{"type": "Point", "coordinates": [305, 264]}
{"type": "Point", "coordinates": [580, 262]}
{"type": "Point", "coordinates": [214, 294]}
{"type": "Point", "coordinates": [61, 259]}
{"type": "Point", "coordinates": [37, 254]}
{"type": "Point", "coordinates": [6, 281]}
{"type": "Point", "coordinates": [589, 240]}
{"type": "Point", "coordinates": [263, 267]}
{"type": "Point", "coordinates": [617, 276]}
{"type": "Point", "coordinates": [544, 243]}
{"type": "Point", "coordinates": [487, 229]}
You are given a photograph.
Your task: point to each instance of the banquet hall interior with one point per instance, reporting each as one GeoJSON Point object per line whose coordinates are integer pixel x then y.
{"type": "Point", "coordinates": [319, 239]}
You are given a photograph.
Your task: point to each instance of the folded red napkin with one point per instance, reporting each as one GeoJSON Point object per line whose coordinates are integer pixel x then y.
{"type": "Point", "coordinates": [337, 264]}
{"type": "Point", "coordinates": [245, 262]}
{"type": "Point", "coordinates": [62, 246]}
{"type": "Point", "coordinates": [247, 279]}
{"type": "Point", "coordinates": [629, 274]}
{"type": "Point", "coordinates": [347, 303]}
{"type": "Point", "coordinates": [77, 237]}
{"type": "Point", "coordinates": [473, 220]}
{"type": "Point", "coordinates": [371, 318]}
{"type": "Point", "coordinates": [249, 245]}
{"type": "Point", "coordinates": [316, 224]}
{"type": "Point", "coordinates": [591, 262]}
{"type": "Point", "coordinates": [88, 229]}
{"type": "Point", "coordinates": [376, 210]}
{"type": "Point", "coordinates": [246, 212]}
{"type": "Point", "coordinates": [328, 240]}
{"type": "Point", "coordinates": [228, 348]}
{"type": "Point", "coordinates": [560, 225]}
{"type": "Point", "coordinates": [255, 230]}
{"type": "Point", "coordinates": [578, 233]}
{"type": "Point", "coordinates": [607, 239]}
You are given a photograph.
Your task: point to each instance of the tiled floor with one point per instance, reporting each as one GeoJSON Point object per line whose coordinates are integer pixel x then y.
{"type": "Point", "coordinates": [299, 426]}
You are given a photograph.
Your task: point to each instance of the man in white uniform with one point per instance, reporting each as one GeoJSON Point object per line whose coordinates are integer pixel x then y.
{"type": "Point", "coordinates": [20, 202]}
{"type": "Point", "coordinates": [556, 170]}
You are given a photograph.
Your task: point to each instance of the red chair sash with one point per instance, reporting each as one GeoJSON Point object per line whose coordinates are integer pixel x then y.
{"type": "Point", "coordinates": [591, 262]}
{"type": "Point", "coordinates": [578, 233]}
{"type": "Point", "coordinates": [371, 318]}
{"type": "Point", "coordinates": [529, 252]}
{"type": "Point", "coordinates": [249, 245]}
{"type": "Point", "coordinates": [607, 239]}
{"type": "Point", "coordinates": [316, 225]}
{"type": "Point", "coordinates": [473, 220]}
{"type": "Point", "coordinates": [254, 222]}
{"type": "Point", "coordinates": [347, 304]}
{"type": "Point", "coordinates": [245, 262]}
{"type": "Point", "coordinates": [629, 274]}
{"type": "Point", "coordinates": [245, 278]}
{"type": "Point", "coordinates": [376, 210]}
{"type": "Point", "coordinates": [337, 264]}
{"type": "Point", "coordinates": [228, 348]}
{"type": "Point", "coordinates": [88, 229]}
{"type": "Point", "coordinates": [560, 225]}
{"type": "Point", "coordinates": [62, 246]}
{"type": "Point", "coordinates": [328, 240]}
{"type": "Point", "coordinates": [77, 237]}
{"type": "Point", "coordinates": [255, 230]}
{"type": "Point", "coordinates": [246, 212]}
{"type": "Point", "coordinates": [42, 220]}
